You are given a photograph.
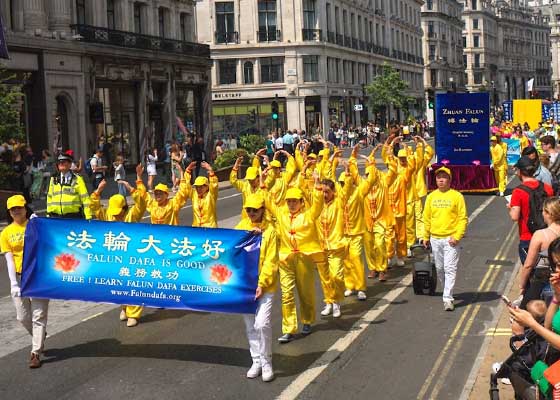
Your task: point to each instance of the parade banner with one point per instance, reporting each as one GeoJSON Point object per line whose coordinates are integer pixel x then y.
{"type": "Point", "coordinates": [514, 150]}
{"type": "Point", "coordinates": [555, 111]}
{"type": "Point", "coordinates": [546, 111]}
{"type": "Point", "coordinates": [508, 110]}
{"type": "Point", "coordinates": [164, 266]}
{"type": "Point", "coordinates": [462, 128]}
{"type": "Point", "coordinates": [529, 111]}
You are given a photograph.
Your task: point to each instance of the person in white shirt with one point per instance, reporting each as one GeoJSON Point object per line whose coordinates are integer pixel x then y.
{"type": "Point", "coordinates": [278, 142]}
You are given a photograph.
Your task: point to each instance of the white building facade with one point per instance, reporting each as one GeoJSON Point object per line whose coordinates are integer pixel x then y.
{"type": "Point", "coordinates": [313, 56]}
{"type": "Point", "coordinates": [118, 72]}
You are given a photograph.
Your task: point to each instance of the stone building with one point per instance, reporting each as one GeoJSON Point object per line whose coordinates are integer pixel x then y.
{"type": "Point", "coordinates": [114, 72]}
{"type": "Point", "coordinates": [507, 43]}
{"type": "Point", "coordinates": [313, 57]}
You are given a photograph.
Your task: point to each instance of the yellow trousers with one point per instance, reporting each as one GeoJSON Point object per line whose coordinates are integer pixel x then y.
{"type": "Point", "coordinates": [354, 274]}
{"type": "Point", "coordinates": [501, 175]}
{"type": "Point", "coordinates": [375, 244]}
{"type": "Point", "coordinates": [419, 213]}
{"type": "Point", "coordinates": [410, 224]}
{"type": "Point", "coordinates": [331, 275]}
{"type": "Point", "coordinates": [398, 239]}
{"type": "Point", "coordinates": [297, 272]}
{"type": "Point", "coordinates": [133, 311]}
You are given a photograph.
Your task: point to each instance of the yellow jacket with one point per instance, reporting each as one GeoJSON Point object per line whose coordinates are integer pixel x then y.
{"type": "Point", "coordinates": [167, 214]}
{"type": "Point", "coordinates": [421, 186]}
{"type": "Point", "coordinates": [243, 186]}
{"type": "Point", "coordinates": [354, 218]}
{"type": "Point", "coordinates": [278, 184]}
{"type": "Point", "coordinates": [417, 158]}
{"type": "Point", "coordinates": [68, 198]}
{"type": "Point", "coordinates": [297, 234]}
{"type": "Point", "coordinates": [445, 214]}
{"type": "Point", "coordinates": [134, 213]}
{"type": "Point", "coordinates": [498, 156]}
{"type": "Point", "coordinates": [376, 204]}
{"type": "Point", "coordinates": [268, 259]}
{"type": "Point", "coordinates": [204, 208]}
{"type": "Point", "coordinates": [330, 224]}
{"type": "Point", "coordinates": [398, 190]}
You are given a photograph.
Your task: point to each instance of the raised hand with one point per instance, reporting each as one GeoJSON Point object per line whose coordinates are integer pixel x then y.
{"type": "Point", "coordinates": [191, 166]}
{"type": "Point", "coordinates": [206, 166]}
{"type": "Point", "coordinates": [139, 171]}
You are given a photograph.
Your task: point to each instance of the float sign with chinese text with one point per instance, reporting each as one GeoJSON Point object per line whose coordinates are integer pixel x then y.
{"type": "Point", "coordinates": [200, 269]}
{"type": "Point", "coordinates": [462, 128]}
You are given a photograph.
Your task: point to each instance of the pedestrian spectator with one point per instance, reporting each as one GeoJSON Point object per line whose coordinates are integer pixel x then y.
{"type": "Point", "coordinates": [176, 158]}
{"type": "Point", "coordinates": [31, 312]}
{"type": "Point", "coordinates": [199, 156]}
{"type": "Point", "coordinates": [120, 175]}
{"type": "Point", "coordinates": [97, 167]}
{"type": "Point", "coordinates": [541, 173]}
{"type": "Point", "coordinates": [22, 178]}
{"type": "Point", "coordinates": [445, 223]}
{"type": "Point", "coordinates": [288, 142]}
{"type": "Point", "coordinates": [278, 142]}
{"type": "Point", "coordinates": [519, 207]}
{"type": "Point", "coordinates": [219, 149]}
{"type": "Point", "coordinates": [151, 158]}
{"type": "Point", "coordinates": [232, 143]}
{"type": "Point", "coordinates": [270, 146]}
{"type": "Point", "coordinates": [168, 163]}
{"type": "Point", "coordinates": [548, 145]}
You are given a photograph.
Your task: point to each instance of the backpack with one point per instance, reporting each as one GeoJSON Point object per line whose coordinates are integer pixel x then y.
{"type": "Point", "coordinates": [535, 221]}
{"type": "Point", "coordinates": [88, 168]}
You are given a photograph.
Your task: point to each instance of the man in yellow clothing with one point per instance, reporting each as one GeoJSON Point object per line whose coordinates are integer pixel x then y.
{"type": "Point", "coordinates": [204, 198]}
{"type": "Point", "coordinates": [118, 210]}
{"type": "Point", "coordinates": [299, 251]}
{"type": "Point", "coordinates": [412, 193]}
{"type": "Point", "coordinates": [499, 164]}
{"type": "Point", "coordinates": [421, 186]}
{"type": "Point", "coordinates": [259, 325]}
{"type": "Point", "coordinates": [445, 223]}
{"type": "Point", "coordinates": [248, 186]}
{"type": "Point", "coordinates": [165, 211]}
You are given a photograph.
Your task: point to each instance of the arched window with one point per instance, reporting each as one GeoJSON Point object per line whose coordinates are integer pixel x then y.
{"type": "Point", "coordinates": [248, 77]}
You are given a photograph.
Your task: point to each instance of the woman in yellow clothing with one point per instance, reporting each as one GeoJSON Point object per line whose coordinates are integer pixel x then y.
{"type": "Point", "coordinates": [299, 251]}
{"type": "Point", "coordinates": [118, 210]}
{"type": "Point", "coordinates": [248, 186]}
{"type": "Point", "coordinates": [31, 312]}
{"type": "Point", "coordinates": [412, 193]}
{"type": "Point", "coordinates": [499, 164]}
{"type": "Point", "coordinates": [204, 198]}
{"type": "Point", "coordinates": [421, 186]}
{"type": "Point", "coordinates": [259, 325]}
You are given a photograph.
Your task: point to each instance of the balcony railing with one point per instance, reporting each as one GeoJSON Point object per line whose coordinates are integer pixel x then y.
{"type": "Point", "coordinates": [354, 43]}
{"type": "Point", "coordinates": [113, 37]}
{"type": "Point", "coordinates": [226, 37]}
{"type": "Point", "coordinates": [331, 37]}
{"type": "Point", "coordinates": [312, 34]}
{"type": "Point", "coordinates": [269, 36]}
{"type": "Point", "coordinates": [339, 39]}
{"type": "Point", "coordinates": [362, 45]}
{"type": "Point", "coordinates": [347, 41]}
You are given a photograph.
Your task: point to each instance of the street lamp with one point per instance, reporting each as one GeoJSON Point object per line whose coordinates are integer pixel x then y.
{"type": "Point", "coordinates": [452, 84]}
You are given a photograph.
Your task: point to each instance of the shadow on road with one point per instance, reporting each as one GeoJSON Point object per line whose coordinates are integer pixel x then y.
{"type": "Point", "coordinates": [465, 298]}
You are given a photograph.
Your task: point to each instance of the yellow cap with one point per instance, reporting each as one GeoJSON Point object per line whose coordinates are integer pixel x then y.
{"type": "Point", "coordinates": [251, 173]}
{"type": "Point", "coordinates": [294, 193]}
{"type": "Point", "coordinates": [312, 155]}
{"type": "Point", "coordinates": [444, 169]}
{"type": "Point", "coordinates": [322, 153]}
{"type": "Point", "coordinates": [342, 176]}
{"type": "Point", "coordinates": [402, 153]}
{"type": "Point", "coordinates": [275, 164]}
{"type": "Point", "coordinates": [162, 187]}
{"type": "Point", "coordinates": [15, 201]}
{"type": "Point", "coordinates": [254, 201]}
{"type": "Point", "coordinates": [200, 181]}
{"type": "Point", "coordinates": [116, 204]}
{"type": "Point", "coordinates": [493, 138]}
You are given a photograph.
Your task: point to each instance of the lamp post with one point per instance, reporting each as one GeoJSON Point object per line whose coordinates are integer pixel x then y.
{"type": "Point", "coordinates": [452, 84]}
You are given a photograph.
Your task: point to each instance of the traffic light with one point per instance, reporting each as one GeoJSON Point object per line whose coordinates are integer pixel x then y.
{"type": "Point", "coordinates": [274, 110]}
{"type": "Point", "coordinates": [431, 100]}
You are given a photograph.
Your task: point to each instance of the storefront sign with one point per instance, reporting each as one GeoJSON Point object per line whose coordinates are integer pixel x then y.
{"type": "Point", "coordinates": [292, 72]}
{"type": "Point", "coordinates": [358, 107]}
{"type": "Point", "coordinates": [227, 95]}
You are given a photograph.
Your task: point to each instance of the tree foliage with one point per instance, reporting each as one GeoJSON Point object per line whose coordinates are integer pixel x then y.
{"type": "Point", "coordinates": [388, 89]}
{"type": "Point", "coordinates": [252, 143]}
{"type": "Point", "coordinates": [10, 100]}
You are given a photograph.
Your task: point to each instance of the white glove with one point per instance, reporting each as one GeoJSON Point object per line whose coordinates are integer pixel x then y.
{"type": "Point", "coordinates": [15, 291]}
{"type": "Point", "coordinates": [33, 216]}
{"type": "Point", "coordinates": [491, 166]}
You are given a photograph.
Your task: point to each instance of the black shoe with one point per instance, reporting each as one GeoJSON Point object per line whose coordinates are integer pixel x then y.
{"type": "Point", "coordinates": [286, 338]}
{"type": "Point", "coordinates": [306, 330]}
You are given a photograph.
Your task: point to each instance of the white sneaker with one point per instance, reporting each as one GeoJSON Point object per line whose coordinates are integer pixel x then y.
{"type": "Point", "coordinates": [362, 295]}
{"type": "Point", "coordinates": [123, 317]}
{"type": "Point", "coordinates": [400, 262]}
{"type": "Point", "coordinates": [336, 310]}
{"type": "Point", "coordinates": [267, 373]}
{"type": "Point", "coordinates": [131, 322]}
{"type": "Point", "coordinates": [255, 370]}
{"type": "Point", "coordinates": [327, 310]}
{"type": "Point", "coordinates": [409, 253]}
{"type": "Point", "coordinates": [348, 292]}
{"type": "Point", "coordinates": [501, 194]}
{"type": "Point", "coordinates": [448, 306]}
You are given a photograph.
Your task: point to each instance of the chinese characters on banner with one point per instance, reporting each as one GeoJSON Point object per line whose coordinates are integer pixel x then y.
{"type": "Point", "coordinates": [508, 110]}
{"type": "Point", "coordinates": [462, 128]}
{"type": "Point", "coordinates": [546, 111]}
{"type": "Point", "coordinates": [164, 266]}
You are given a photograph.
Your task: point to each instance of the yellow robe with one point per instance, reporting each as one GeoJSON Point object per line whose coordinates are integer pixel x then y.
{"type": "Point", "coordinates": [204, 208]}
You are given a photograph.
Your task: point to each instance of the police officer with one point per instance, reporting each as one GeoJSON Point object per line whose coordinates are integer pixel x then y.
{"type": "Point", "coordinates": [67, 196]}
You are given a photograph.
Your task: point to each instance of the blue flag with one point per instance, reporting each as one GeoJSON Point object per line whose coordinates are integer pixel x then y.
{"type": "Point", "coordinates": [165, 266]}
{"type": "Point", "coordinates": [3, 44]}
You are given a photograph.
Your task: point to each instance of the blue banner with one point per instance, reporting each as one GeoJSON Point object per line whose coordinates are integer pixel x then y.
{"type": "Point", "coordinates": [3, 44]}
{"type": "Point", "coordinates": [555, 111]}
{"type": "Point", "coordinates": [163, 266]}
{"type": "Point", "coordinates": [508, 110]}
{"type": "Point", "coordinates": [514, 150]}
{"type": "Point", "coordinates": [463, 128]}
{"type": "Point", "coordinates": [546, 111]}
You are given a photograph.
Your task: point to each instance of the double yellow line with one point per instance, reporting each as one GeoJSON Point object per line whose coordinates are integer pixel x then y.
{"type": "Point", "coordinates": [463, 326]}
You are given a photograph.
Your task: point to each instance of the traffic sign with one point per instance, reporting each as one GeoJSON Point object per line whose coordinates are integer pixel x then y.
{"type": "Point", "coordinates": [358, 107]}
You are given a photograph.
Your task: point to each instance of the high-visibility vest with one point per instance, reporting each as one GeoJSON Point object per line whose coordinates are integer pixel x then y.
{"type": "Point", "coordinates": [68, 198]}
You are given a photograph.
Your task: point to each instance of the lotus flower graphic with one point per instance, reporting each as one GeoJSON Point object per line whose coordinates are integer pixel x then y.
{"type": "Point", "coordinates": [445, 162]}
{"type": "Point", "coordinates": [65, 263]}
{"type": "Point", "coordinates": [220, 274]}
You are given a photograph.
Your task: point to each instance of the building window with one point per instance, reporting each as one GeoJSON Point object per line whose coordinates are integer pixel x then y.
{"type": "Point", "coordinates": [475, 23]}
{"type": "Point", "coordinates": [138, 23]}
{"type": "Point", "coordinates": [474, 5]}
{"type": "Point", "coordinates": [429, 4]}
{"type": "Point", "coordinates": [81, 12]}
{"type": "Point", "coordinates": [476, 41]}
{"type": "Point", "coordinates": [184, 26]}
{"type": "Point", "coordinates": [272, 69]}
{"type": "Point", "coordinates": [477, 60]}
{"type": "Point", "coordinates": [225, 22]}
{"type": "Point", "coordinates": [309, 21]}
{"type": "Point", "coordinates": [111, 14]}
{"type": "Point", "coordinates": [433, 77]}
{"type": "Point", "coordinates": [248, 73]}
{"type": "Point", "coordinates": [228, 72]}
{"type": "Point", "coordinates": [267, 20]}
{"type": "Point", "coordinates": [310, 68]}
{"type": "Point", "coordinates": [477, 78]}
{"type": "Point", "coordinates": [161, 21]}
